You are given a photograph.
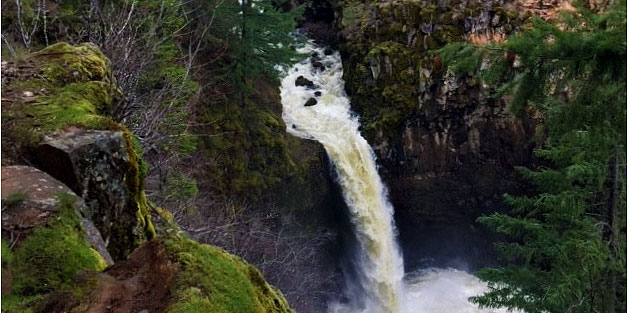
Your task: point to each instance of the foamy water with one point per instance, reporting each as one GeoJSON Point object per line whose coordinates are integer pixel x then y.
{"type": "Point", "coordinates": [381, 286]}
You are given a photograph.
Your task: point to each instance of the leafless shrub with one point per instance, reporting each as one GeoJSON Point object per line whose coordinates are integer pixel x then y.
{"type": "Point", "coordinates": [154, 54]}
{"type": "Point", "coordinates": [23, 23]}
{"type": "Point", "coordinates": [290, 256]}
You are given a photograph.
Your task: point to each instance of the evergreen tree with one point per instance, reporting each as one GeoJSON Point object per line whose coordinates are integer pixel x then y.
{"type": "Point", "coordinates": [567, 244]}
{"type": "Point", "coordinates": [262, 41]}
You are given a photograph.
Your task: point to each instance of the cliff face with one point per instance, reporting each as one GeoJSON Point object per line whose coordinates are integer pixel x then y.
{"type": "Point", "coordinates": [447, 150]}
{"type": "Point", "coordinates": [78, 232]}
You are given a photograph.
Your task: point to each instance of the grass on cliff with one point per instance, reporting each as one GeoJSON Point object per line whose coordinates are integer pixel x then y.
{"type": "Point", "coordinates": [212, 280]}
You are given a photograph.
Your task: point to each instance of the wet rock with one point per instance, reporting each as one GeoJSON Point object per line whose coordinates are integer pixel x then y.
{"type": "Point", "coordinates": [302, 81]}
{"type": "Point", "coordinates": [317, 93]}
{"type": "Point", "coordinates": [328, 51]}
{"type": "Point", "coordinates": [310, 102]}
{"type": "Point", "coordinates": [318, 65]}
{"type": "Point", "coordinates": [29, 198]}
{"type": "Point", "coordinates": [96, 166]}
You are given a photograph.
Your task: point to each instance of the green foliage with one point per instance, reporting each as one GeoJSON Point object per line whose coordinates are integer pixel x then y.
{"type": "Point", "coordinates": [251, 147]}
{"type": "Point", "coordinates": [567, 243]}
{"type": "Point", "coordinates": [212, 280]}
{"type": "Point", "coordinates": [50, 257]}
{"type": "Point", "coordinates": [352, 15]}
{"type": "Point", "coordinates": [259, 40]}
{"type": "Point", "coordinates": [461, 57]}
{"type": "Point", "coordinates": [180, 187]}
{"type": "Point", "coordinates": [13, 303]}
{"type": "Point", "coordinates": [7, 254]}
{"type": "Point", "coordinates": [15, 199]}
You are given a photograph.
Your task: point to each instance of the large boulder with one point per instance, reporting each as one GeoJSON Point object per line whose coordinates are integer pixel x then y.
{"type": "Point", "coordinates": [45, 239]}
{"type": "Point", "coordinates": [101, 167]}
{"type": "Point", "coordinates": [30, 198]}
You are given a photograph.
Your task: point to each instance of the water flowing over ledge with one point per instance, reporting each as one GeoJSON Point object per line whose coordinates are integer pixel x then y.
{"type": "Point", "coordinates": [316, 107]}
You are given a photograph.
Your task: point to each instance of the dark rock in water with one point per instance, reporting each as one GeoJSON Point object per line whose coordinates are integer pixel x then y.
{"type": "Point", "coordinates": [302, 81]}
{"type": "Point", "coordinates": [317, 93]}
{"type": "Point", "coordinates": [310, 102]}
{"type": "Point", "coordinates": [96, 166]}
{"type": "Point", "coordinates": [315, 54]}
{"type": "Point", "coordinates": [328, 51]}
{"type": "Point", "coordinates": [318, 65]}
{"type": "Point", "coordinates": [294, 127]}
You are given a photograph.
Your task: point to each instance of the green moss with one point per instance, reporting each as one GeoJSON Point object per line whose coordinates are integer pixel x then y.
{"type": "Point", "coordinates": [212, 280]}
{"type": "Point", "coordinates": [75, 104]}
{"type": "Point", "coordinates": [13, 303]}
{"type": "Point", "coordinates": [428, 13]}
{"type": "Point", "coordinates": [7, 255]}
{"type": "Point", "coordinates": [250, 144]}
{"type": "Point", "coordinates": [136, 198]}
{"type": "Point", "coordinates": [15, 199]}
{"type": "Point", "coordinates": [396, 88]}
{"type": "Point", "coordinates": [72, 88]}
{"type": "Point", "coordinates": [50, 257]}
{"type": "Point", "coordinates": [65, 63]}
{"type": "Point", "coordinates": [448, 33]}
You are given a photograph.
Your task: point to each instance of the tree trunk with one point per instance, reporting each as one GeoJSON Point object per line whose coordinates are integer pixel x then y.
{"type": "Point", "coordinates": [612, 235]}
{"type": "Point", "coordinates": [245, 5]}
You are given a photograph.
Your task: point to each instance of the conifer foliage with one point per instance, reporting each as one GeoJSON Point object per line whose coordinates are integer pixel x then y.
{"type": "Point", "coordinates": [566, 244]}
{"type": "Point", "coordinates": [260, 39]}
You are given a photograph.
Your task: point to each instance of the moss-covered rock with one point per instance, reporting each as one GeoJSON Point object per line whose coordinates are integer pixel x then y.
{"type": "Point", "coordinates": [49, 258]}
{"type": "Point", "coordinates": [173, 274]}
{"type": "Point", "coordinates": [252, 155]}
{"type": "Point", "coordinates": [212, 280]}
{"type": "Point", "coordinates": [59, 92]}
{"type": "Point", "coordinates": [60, 86]}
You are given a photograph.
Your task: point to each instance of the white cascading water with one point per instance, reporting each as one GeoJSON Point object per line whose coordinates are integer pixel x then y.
{"type": "Point", "coordinates": [381, 285]}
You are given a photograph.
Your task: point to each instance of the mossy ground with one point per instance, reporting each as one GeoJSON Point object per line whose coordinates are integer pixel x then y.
{"type": "Point", "coordinates": [48, 259]}
{"type": "Point", "coordinates": [212, 280]}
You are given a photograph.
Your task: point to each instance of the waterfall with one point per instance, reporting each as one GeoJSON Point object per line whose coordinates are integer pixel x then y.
{"type": "Point", "coordinates": [381, 285]}
{"type": "Point", "coordinates": [331, 123]}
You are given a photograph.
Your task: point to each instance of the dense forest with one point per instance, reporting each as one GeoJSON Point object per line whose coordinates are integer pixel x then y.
{"type": "Point", "coordinates": [314, 156]}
